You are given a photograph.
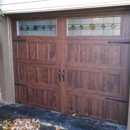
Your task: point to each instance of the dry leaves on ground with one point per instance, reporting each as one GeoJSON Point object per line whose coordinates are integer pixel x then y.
{"type": "Point", "coordinates": [21, 124]}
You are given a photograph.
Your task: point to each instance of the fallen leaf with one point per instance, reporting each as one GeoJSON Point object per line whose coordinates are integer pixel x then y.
{"type": "Point", "coordinates": [57, 128]}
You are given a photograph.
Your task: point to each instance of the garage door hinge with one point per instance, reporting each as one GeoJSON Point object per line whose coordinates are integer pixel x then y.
{"type": "Point", "coordinates": [117, 100]}
{"type": "Point", "coordinates": [18, 40]}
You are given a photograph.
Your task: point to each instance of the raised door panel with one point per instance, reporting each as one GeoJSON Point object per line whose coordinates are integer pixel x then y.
{"type": "Point", "coordinates": [112, 113]}
{"type": "Point", "coordinates": [32, 74]}
{"type": "Point", "coordinates": [70, 107]}
{"type": "Point", "coordinates": [43, 98]}
{"type": "Point", "coordinates": [22, 51]}
{"type": "Point", "coordinates": [16, 94]}
{"type": "Point", "coordinates": [96, 108]}
{"type": "Point", "coordinates": [86, 106]}
{"type": "Point", "coordinates": [123, 115]}
{"type": "Point", "coordinates": [32, 51]}
{"type": "Point", "coordinates": [113, 83]}
{"type": "Point", "coordinates": [48, 99]}
{"type": "Point", "coordinates": [53, 52]}
{"type": "Point", "coordinates": [22, 73]}
{"type": "Point", "coordinates": [114, 55]}
{"type": "Point", "coordinates": [43, 75]}
{"type": "Point", "coordinates": [72, 78]}
{"type": "Point", "coordinates": [42, 52]}
{"type": "Point", "coordinates": [98, 54]}
{"type": "Point", "coordinates": [23, 94]}
{"type": "Point", "coordinates": [72, 53]}
{"type": "Point", "coordinates": [54, 76]}
{"type": "Point", "coordinates": [85, 79]}
{"type": "Point", "coordinates": [84, 53]}
{"type": "Point", "coordinates": [33, 96]}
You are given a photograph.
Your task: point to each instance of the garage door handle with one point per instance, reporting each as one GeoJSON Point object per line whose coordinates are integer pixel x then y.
{"type": "Point", "coordinates": [59, 72]}
{"type": "Point", "coordinates": [63, 72]}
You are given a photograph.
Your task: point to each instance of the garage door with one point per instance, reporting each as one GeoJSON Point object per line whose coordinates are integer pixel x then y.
{"type": "Point", "coordinates": [73, 65]}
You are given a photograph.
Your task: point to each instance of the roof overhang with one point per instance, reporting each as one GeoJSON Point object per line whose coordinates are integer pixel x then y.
{"type": "Point", "coordinates": [29, 6]}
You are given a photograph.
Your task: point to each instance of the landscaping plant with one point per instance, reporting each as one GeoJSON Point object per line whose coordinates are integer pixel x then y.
{"type": "Point", "coordinates": [1, 14]}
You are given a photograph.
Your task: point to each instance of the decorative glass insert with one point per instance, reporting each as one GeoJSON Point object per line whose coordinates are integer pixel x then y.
{"type": "Point", "coordinates": [36, 28]}
{"type": "Point", "coordinates": [106, 26]}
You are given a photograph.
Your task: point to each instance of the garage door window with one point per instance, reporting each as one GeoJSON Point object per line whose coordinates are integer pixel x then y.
{"type": "Point", "coordinates": [36, 28]}
{"type": "Point", "coordinates": [105, 26]}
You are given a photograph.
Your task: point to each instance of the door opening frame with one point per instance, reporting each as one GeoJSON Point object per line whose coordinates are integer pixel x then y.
{"type": "Point", "coordinates": [6, 65]}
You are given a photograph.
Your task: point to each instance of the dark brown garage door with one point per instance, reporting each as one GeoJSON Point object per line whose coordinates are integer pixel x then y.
{"type": "Point", "coordinates": [73, 65]}
{"type": "Point", "coordinates": [36, 63]}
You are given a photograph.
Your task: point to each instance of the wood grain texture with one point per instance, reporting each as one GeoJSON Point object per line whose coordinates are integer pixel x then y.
{"type": "Point", "coordinates": [84, 53]}
{"type": "Point", "coordinates": [94, 69]}
{"type": "Point", "coordinates": [22, 51]}
{"type": "Point", "coordinates": [42, 52]}
{"type": "Point", "coordinates": [36, 69]}
{"type": "Point", "coordinates": [32, 51]}
{"type": "Point", "coordinates": [52, 52]}
{"type": "Point", "coordinates": [32, 74]}
{"type": "Point", "coordinates": [22, 72]}
{"type": "Point", "coordinates": [43, 75]}
{"type": "Point", "coordinates": [98, 54]}
{"type": "Point", "coordinates": [23, 94]}
{"type": "Point", "coordinates": [114, 55]}
{"type": "Point", "coordinates": [72, 55]}
{"type": "Point", "coordinates": [113, 83]}
{"type": "Point", "coordinates": [97, 70]}
{"type": "Point", "coordinates": [53, 76]}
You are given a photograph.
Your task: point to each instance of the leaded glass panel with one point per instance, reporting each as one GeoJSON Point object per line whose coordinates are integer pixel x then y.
{"type": "Point", "coordinates": [36, 28]}
{"type": "Point", "coordinates": [105, 26]}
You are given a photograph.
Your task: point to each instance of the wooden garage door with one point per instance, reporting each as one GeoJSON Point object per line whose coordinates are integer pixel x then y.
{"type": "Point", "coordinates": [36, 63]}
{"type": "Point", "coordinates": [96, 71]}
{"type": "Point", "coordinates": [74, 65]}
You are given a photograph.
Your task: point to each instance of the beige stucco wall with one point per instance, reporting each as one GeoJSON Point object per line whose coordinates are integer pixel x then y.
{"type": "Point", "coordinates": [6, 63]}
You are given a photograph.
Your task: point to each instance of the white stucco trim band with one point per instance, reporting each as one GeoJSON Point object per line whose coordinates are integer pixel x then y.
{"type": "Point", "coordinates": [27, 6]}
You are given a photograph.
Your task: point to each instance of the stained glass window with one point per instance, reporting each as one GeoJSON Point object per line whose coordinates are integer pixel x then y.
{"type": "Point", "coordinates": [105, 26]}
{"type": "Point", "coordinates": [36, 28]}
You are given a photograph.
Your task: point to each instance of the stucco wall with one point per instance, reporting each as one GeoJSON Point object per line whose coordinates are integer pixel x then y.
{"type": "Point", "coordinates": [23, 6]}
{"type": "Point", "coordinates": [6, 65]}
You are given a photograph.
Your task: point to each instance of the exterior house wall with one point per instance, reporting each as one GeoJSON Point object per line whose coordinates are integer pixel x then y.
{"type": "Point", "coordinates": [23, 6]}
{"type": "Point", "coordinates": [6, 62]}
